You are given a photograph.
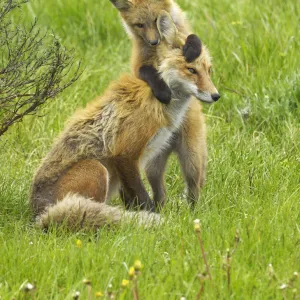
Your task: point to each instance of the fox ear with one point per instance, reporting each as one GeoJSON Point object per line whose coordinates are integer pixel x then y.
{"type": "Point", "coordinates": [192, 48]}
{"type": "Point", "coordinates": [166, 27]}
{"type": "Point", "coordinates": [121, 5]}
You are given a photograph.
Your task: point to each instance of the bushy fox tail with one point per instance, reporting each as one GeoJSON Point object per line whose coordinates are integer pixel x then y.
{"type": "Point", "coordinates": [76, 212]}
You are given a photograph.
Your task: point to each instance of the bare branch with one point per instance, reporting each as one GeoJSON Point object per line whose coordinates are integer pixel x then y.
{"type": "Point", "coordinates": [34, 67]}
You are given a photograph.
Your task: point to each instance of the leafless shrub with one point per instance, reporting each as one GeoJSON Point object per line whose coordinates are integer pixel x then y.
{"type": "Point", "coordinates": [34, 67]}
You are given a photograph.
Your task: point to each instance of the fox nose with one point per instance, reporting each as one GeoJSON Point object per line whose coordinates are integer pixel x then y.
{"type": "Point", "coordinates": [215, 96]}
{"type": "Point", "coordinates": [154, 42]}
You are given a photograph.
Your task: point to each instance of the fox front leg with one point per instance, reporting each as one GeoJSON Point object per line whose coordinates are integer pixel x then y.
{"type": "Point", "coordinates": [126, 199]}
{"type": "Point", "coordinates": [159, 88]}
{"type": "Point", "coordinates": [155, 170]}
{"type": "Point", "coordinates": [133, 191]}
{"type": "Point", "coordinates": [191, 149]}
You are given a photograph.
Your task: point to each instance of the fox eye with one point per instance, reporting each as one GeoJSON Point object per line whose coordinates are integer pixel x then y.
{"type": "Point", "coordinates": [155, 20]}
{"type": "Point", "coordinates": [139, 25]}
{"type": "Point", "coordinates": [193, 71]}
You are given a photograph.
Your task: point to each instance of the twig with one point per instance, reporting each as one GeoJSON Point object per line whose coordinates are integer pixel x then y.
{"type": "Point", "coordinates": [88, 283]}
{"type": "Point", "coordinates": [234, 91]}
{"type": "Point", "coordinates": [228, 258]}
{"type": "Point", "coordinates": [198, 233]}
{"type": "Point", "coordinates": [201, 290]}
{"type": "Point", "coordinates": [135, 289]}
{"type": "Point", "coordinates": [133, 273]}
{"type": "Point", "coordinates": [228, 264]}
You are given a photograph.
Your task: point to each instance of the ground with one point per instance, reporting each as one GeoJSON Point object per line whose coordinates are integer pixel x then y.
{"type": "Point", "coordinates": [253, 175]}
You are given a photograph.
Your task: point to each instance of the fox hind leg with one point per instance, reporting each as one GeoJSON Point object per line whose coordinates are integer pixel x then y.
{"type": "Point", "coordinates": [89, 178]}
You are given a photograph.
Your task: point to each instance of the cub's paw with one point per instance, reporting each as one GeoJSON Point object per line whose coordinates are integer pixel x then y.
{"type": "Point", "coordinates": [162, 92]}
{"type": "Point", "coordinates": [159, 88]}
{"type": "Point", "coordinates": [192, 48]}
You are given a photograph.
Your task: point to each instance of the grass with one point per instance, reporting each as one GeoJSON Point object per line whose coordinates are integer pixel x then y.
{"type": "Point", "coordinates": [254, 165]}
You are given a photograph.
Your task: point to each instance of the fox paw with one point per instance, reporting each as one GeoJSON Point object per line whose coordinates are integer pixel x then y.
{"type": "Point", "coordinates": [192, 48]}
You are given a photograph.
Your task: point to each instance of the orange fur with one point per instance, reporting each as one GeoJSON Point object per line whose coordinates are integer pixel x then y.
{"type": "Point", "coordinates": [88, 178]}
{"type": "Point", "coordinates": [110, 139]}
{"type": "Point", "coordinates": [192, 132]}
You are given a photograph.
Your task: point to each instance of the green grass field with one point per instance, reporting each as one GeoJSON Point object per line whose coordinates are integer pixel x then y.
{"type": "Point", "coordinates": [253, 177]}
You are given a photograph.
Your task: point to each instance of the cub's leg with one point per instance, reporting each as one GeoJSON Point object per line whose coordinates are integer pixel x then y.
{"type": "Point", "coordinates": [159, 88]}
{"type": "Point", "coordinates": [89, 178]}
{"type": "Point", "coordinates": [133, 189]}
{"type": "Point", "coordinates": [192, 151]}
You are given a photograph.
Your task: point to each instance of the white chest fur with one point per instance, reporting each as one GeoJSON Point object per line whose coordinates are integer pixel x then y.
{"type": "Point", "coordinates": [156, 145]}
{"type": "Point", "coordinates": [176, 111]}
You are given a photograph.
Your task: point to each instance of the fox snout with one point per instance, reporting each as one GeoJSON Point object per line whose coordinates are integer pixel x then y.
{"type": "Point", "coordinates": [216, 96]}
{"type": "Point", "coordinates": [154, 42]}
{"type": "Point", "coordinates": [152, 36]}
{"type": "Point", "coordinates": [206, 90]}
{"type": "Point", "coordinates": [207, 97]}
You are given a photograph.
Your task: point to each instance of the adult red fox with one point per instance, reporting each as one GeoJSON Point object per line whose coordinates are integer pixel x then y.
{"type": "Point", "coordinates": [189, 141]}
{"type": "Point", "coordinates": [105, 144]}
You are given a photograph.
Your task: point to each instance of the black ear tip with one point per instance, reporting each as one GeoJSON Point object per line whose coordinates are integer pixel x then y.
{"type": "Point", "coordinates": [194, 37]}
{"type": "Point", "coordinates": [192, 48]}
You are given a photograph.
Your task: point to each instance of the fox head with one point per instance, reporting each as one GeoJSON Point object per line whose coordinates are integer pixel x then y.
{"type": "Point", "coordinates": [140, 18]}
{"type": "Point", "coordinates": [184, 77]}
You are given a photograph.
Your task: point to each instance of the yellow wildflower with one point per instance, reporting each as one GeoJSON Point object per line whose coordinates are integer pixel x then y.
{"type": "Point", "coordinates": [197, 225]}
{"type": "Point", "coordinates": [86, 281]}
{"type": "Point", "coordinates": [99, 294]}
{"type": "Point", "coordinates": [131, 272]}
{"type": "Point", "coordinates": [124, 283]}
{"type": "Point", "coordinates": [138, 265]}
{"type": "Point", "coordinates": [79, 243]}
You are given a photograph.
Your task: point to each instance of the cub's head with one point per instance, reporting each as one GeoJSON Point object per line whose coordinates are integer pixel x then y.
{"type": "Point", "coordinates": [140, 17]}
{"type": "Point", "coordinates": [183, 73]}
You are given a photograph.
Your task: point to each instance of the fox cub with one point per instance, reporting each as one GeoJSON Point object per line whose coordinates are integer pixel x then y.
{"type": "Point", "coordinates": [189, 141]}
{"type": "Point", "coordinates": [106, 144]}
